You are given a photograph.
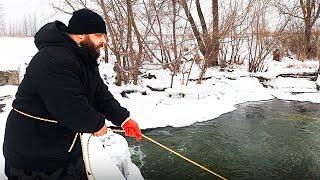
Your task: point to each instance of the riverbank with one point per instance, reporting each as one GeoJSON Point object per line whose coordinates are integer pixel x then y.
{"type": "Point", "coordinates": [184, 105]}
{"type": "Point", "coordinates": [181, 105]}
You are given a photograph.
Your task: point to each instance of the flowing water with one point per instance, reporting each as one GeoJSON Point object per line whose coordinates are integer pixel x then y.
{"type": "Point", "coordinates": [260, 140]}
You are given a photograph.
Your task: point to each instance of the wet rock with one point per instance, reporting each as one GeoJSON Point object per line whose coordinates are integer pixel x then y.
{"type": "Point", "coordinates": [158, 89]}
{"type": "Point", "coordinates": [2, 106]}
{"type": "Point", "coordinates": [149, 76]}
{"type": "Point", "coordinates": [9, 77]}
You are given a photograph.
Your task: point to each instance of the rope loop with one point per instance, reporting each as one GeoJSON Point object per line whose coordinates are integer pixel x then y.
{"type": "Point", "coordinates": [88, 167]}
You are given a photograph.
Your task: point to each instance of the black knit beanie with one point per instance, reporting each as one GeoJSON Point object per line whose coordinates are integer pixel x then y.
{"type": "Point", "coordinates": [85, 21]}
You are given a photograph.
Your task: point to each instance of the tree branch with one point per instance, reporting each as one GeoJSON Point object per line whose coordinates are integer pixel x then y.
{"type": "Point", "coordinates": [69, 4]}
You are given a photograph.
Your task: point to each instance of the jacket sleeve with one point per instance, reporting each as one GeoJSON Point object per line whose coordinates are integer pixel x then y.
{"type": "Point", "coordinates": [59, 85]}
{"type": "Point", "coordinates": [108, 105]}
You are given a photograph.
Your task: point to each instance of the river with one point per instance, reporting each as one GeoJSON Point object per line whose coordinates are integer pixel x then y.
{"type": "Point", "coordinates": [260, 140]}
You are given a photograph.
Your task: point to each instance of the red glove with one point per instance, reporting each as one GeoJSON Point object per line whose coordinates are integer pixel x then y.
{"type": "Point", "coordinates": [131, 129]}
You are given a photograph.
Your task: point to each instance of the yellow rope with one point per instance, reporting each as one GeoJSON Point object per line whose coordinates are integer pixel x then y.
{"type": "Point", "coordinates": [115, 130]}
{"type": "Point", "coordinates": [47, 120]}
{"type": "Point", "coordinates": [90, 169]}
{"type": "Point", "coordinates": [178, 154]}
{"type": "Point", "coordinates": [34, 117]}
{"type": "Point", "coordinates": [74, 140]}
{"type": "Point", "coordinates": [86, 163]}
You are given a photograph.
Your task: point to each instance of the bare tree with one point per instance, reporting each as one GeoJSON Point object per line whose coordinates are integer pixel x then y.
{"type": "Point", "coordinates": [306, 10]}
{"type": "Point", "coordinates": [211, 42]}
{"type": "Point", "coordinates": [164, 34]}
{"type": "Point", "coordinates": [195, 30]}
{"type": "Point", "coordinates": [135, 57]}
{"type": "Point", "coordinates": [214, 55]}
{"type": "Point", "coordinates": [29, 25]}
{"type": "Point", "coordinates": [116, 42]}
{"type": "Point", "coordinates": [208, 43]}
{"type": "Point", "coordinates": [25, 26]}
{"type": "Point", "coordinates": [2, 22]}
{"type": "Point", "coordinates": [175, 65]}
{"type": "Point", "coordinates": [11, 29]}
{"type": "Point", "coordinates": [234, 16]}
{"type": "Point", "coordinates": [121, 23]}
{"type": "Point", "coordinates": [311, 11]}
{"type": "Point", "coordinates": [261, 41]}
{"type": "Point", "coordinates": [33, 24]}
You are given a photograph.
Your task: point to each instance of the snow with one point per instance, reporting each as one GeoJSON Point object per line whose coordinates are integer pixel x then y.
{"type": "Point", "coordinates": [181, 105]}
{"type": "Point", "coordinates": [4, 90]}
{"type": "Point", "coordinates": [109, 156]}
{"type": "Point", "coordinates": [16, 52]}
{"type": "Point", "coordinates": [294, 85]}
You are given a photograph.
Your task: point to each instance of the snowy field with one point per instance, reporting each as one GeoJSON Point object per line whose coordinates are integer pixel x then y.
{"type": "Point", "coordinates": [181, 105]}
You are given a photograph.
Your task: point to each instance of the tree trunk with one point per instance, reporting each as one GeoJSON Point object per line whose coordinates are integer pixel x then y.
{"type": "Point", "coordinates": [307, 22]}
{"type": "Point", "coordinates": [118, 71]}
{"type": "Point", "coordinates": [106, 53]}
{"type": "Point", "coordinates": [175, 64]}
{"type": "Point", "coordinates": [115, 49]}
{"type": "Point", "coordinates": [194, 27]}
{"type": "Point", "coordinates": [164, 57]}
{"type": "Point", "coordinates": [214, 55]}
{"type": "Point", "coordinates": [307, 35]}
{"type": "Point", "coordinates": [129, 50]}
{"type": "Point", "coordinates": [206, 37]}
{"type": "Point", "coordinates": [174, 30]}
{"type": "Point", "coordinates": [310, 15]}
{"type": "Point", "coordinates": [136, 57]}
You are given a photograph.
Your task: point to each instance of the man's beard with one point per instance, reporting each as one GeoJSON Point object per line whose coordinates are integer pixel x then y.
{"type": "Point", "coordinates": [88, 45]}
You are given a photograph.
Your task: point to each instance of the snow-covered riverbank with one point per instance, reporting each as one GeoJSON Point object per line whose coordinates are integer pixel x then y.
{"type": "Point", "coordinates": [181, 105]}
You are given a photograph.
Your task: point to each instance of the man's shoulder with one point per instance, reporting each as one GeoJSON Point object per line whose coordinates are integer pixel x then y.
{"type": "Point", "coordinates": [57, 51]}
{"type": "Point", "coordinates": [55, 56]}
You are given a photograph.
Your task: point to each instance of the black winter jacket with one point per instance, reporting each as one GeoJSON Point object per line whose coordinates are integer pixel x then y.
{"type": "Point", "coordinates": [62, 83]}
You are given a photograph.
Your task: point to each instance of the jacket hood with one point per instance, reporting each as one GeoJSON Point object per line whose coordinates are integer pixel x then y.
{"type": "Point", "coordinates": [53, 34]}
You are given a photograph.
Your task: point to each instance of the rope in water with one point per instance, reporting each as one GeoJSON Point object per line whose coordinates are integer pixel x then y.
{"type": "Point", "coordinates": [122, 131]}
{"type": "Point", "coordinates": [178, 154]}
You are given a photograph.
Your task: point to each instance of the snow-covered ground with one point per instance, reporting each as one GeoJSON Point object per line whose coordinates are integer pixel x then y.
{"type": "Point", "coordinates": [181, 105]}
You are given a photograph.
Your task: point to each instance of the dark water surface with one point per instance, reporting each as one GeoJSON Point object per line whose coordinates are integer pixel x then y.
{"type": "Point", "coordinates": [260, 140]}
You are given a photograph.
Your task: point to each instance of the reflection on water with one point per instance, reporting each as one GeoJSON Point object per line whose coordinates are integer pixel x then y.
{"type": "Point", "coordinates": [260, 140]}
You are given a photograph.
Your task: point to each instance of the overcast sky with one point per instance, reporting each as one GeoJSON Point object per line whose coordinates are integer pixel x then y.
{"type": "Point", "coordinates": [16, 10]}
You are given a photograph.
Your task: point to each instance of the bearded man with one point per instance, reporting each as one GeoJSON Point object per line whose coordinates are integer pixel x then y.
{"type": "Point", "coordinates": [61, 96]}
